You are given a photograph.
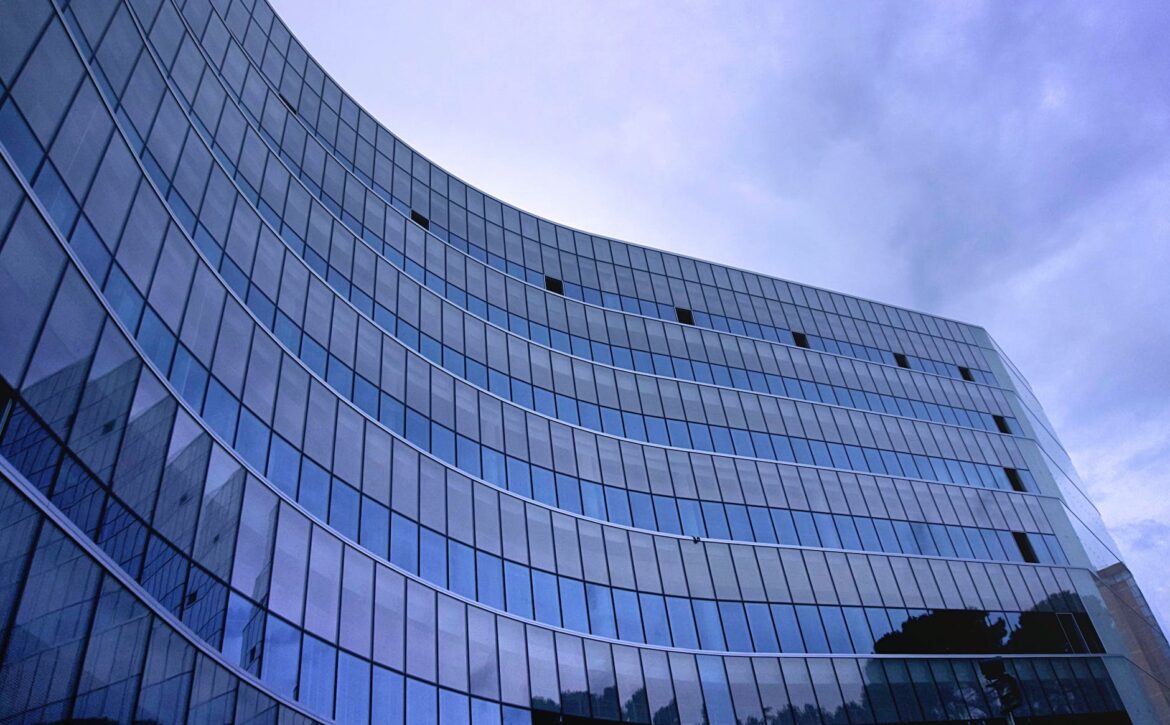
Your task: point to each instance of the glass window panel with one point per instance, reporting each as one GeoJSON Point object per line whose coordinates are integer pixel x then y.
{"type": "Point", "coordinates": [812, 629]}
{"type": "Point", "coordinates": [763, 632]}
{"type": "Point", "coordinates": [773, 695]}
{"type": "Point", "coordinates": [513, 649]}
{"type": "Point", "coordinates": [654, 617]}
{"type": "Point", "coordinates": [800, 689]}
{"type": "Point", "coordinates": [716, 695]}
{"type": "Point", "coordinates": [519, 589]}
{"type": "Point", "coordinates": [735, 627]}
{"type": "Point", "coordinates": [836, 630]}
{"type": "Point", "coordinates": [421, 702]}
{"type": "Point", "coordinates": [708, 623]}
{"type": "Point", "coordinates": [546, 598]}
{"type": "Point", "coordinates": [631, 687]}
{"type": "Point", "coordinates": [574, 691]}
{"type": "Point", "coordinates": [629, 619]}
{"type": "Point", "coordinates": [318, 669]}
{"type": "Point", "coordinates": [282, 652]}
{"type": "Point", "coordinates": [353, 690]}
{"type": "Point", "coordinates": [542, 670]}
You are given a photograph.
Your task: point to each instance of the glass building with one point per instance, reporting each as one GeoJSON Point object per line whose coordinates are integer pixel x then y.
{"type": "Point", "coordinates": [296, 426]}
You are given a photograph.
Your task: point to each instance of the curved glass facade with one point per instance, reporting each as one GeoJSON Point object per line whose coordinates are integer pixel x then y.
{"type": "Point", "coordinates": [293, 424]}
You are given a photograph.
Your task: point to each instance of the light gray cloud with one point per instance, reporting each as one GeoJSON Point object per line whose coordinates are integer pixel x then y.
{"type": "Point", "coordinates": [1007, 164]}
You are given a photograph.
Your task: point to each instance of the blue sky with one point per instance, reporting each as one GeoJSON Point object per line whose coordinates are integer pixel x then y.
{"type": "Point", "coordinates": [1005, 164]}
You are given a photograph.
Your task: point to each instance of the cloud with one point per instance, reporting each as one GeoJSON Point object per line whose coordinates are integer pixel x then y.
{"type": "Point", "coordinates": [1002, 163]}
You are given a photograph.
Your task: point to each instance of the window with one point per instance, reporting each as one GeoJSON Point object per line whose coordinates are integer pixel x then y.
{"type": "Point", "coordinates": [901, 360]}
{"type": "Point", "coordinates": [554, 285]}
{"type": "Point", "coordinates": [800, 339]}
{"type": "Point", "coordinates": [1026, 549]}
{"type": "Point", "coordinates": [1001, 424]}
{"type": "Point", "coordinates": [684, 315]}
{"type": "Point", "coordinates": [419, 219]}
{"type": "Point", "coordinates": [287, 103]}
{"type": "Point", "coordinates": [1014, 479]}
{"type": "Point", "coordinates": [966, 374]}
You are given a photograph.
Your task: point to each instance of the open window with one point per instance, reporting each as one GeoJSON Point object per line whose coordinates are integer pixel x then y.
{"type": "Point", "coordinates": [1015, 479]}
{"type": "Point", "coordinates": [419, 219]}
{"type": "Point", "coordinates": [902, 360]}
{"type": "Point", "coordinates": [292, 108]}
{"type": "Point", "coordinates": [1001, 424]}
{"type": "Point", "coordinates": [1026, 548]}
{"type": "Point", "coordinates": [966, 374]}
{"type": "Point", "coordinates": [800, 339]}
{"type": "Point", "coordinates": [554, 285]}
{"type": "Point", "coordinates": [684, 315]}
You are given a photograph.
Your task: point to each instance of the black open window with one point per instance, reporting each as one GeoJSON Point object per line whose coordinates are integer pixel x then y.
{"type": "Point", "coordinates": [966, 374]}
{"type": "Point", "coordinates": [419, 219]}
{"type": "Point", "coordinates": [1001, 424]}
{"type": "Point", "coordinates": [287, 103]}
{"type": "Point", "coordinates": [1026, 549]}
{"type": "Point", "coordinates": [554, 285]}
{"type": "Point", "coordinates": [800, 339]}
{"type": "Point", "coordinates": [684, 315]}
{"type": "Point", "coordinates": [1015, 479]}
{"type": "Point", "coordinates": [902, 360]}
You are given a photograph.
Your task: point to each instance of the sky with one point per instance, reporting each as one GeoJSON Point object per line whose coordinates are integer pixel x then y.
{"type": "Point", "coordinates": [1006, 164]}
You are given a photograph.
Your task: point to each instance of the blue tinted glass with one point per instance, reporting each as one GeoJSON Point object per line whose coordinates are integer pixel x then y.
{"type": "Point", "coordinates": [737, 518]}
{"type": "Point", "coordinates": [806, 530]}
{"type": "Point", "coordinates": [643, 510]}
{"type": "Point", "coordinates": [318, 665]}
{"type": "Point", "coordinates": [761, 521]}
{"type": "Point", "coordinates": [353, 690]}
{"type": "Point", "coordinates": [618, 505]}
{"type": "Point", "coordinates": [592, 500]}
{"type": "Point", "coordinates": [811, 628]}
{"type": "Point", "coordinates": [420, 702]}
{"type": "Point", "coordinates": [573, 604]}
{"type": "Point", "coordinates": [404, 543]}
{"type": "Point", "coordinates": [545, 598]}
{"type": "Point", "coordinates": [315, 487]}
{"type": "Point", "coordinates": [519, 589]}
{"type": "Point", "coordinates": [715, 520]}
{"type": "Point", "coordinates": [284, 463]}
{"type": "Point", "coordinates": [629, 618]}
{"type": "Point", "coordinates": [432, 551]}
{"type": "Point", "coordinates": [717, 698]}
{"type": "Point", "coordinates": [343, 510]}
{"type": "Point", "coordinates": [691, 515]}
{"type": "Point", "coordinates": [666, 514]}
{"type": "Point", "coordinates": [654, 617]}
{"type": "Point", "coordinates": [709, 626]}
{"type": "Point", "coordinates": [568, 493]}
{"type": "Point", "coordinates": [787, 628]}
{"type": "Point", "coordinates": [282, 653]}
{"type": "Point", "coordinates": [601, 619]}
{"type": "Point", "coordinates": [735, 627]}
{"type": "Point", "coordinates": [835, 628]}
{"type": "Point", "coordinates": [489, 579]}
{"type": "Point", "coordinates": [826, 530]}
{"type": "Point", "coordinates": [220, 410]}
{"type": "Point", "coordinates": [682, 622]}
{"type": "Point", "coordinates": [375, 531]}
{"type": "Point", "coordinates": [543, 486]}
{"type": "Point", "coordinates": [461, 567]}
{"type": "Point", "coordinates": [453, 708]}
{"type": "Point", "coordinates": [858, 626]}
{"type": "Point", "coordinates": [484, 712]}
{"type": "Point", "coordinates": [760, 622]}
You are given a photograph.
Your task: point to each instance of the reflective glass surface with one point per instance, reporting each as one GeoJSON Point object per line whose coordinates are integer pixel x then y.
{"type": "Point", "coordinates": [293, 424]}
